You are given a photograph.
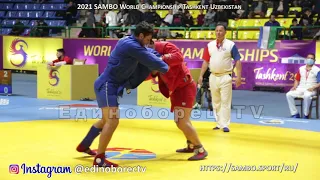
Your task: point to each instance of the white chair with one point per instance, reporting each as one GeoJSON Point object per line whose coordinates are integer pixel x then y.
{"type": "Point", "coordinates": [79, 61]}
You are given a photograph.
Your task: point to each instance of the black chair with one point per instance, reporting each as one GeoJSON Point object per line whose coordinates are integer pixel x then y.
{"type": "Point", "coordinates": [314, 98]}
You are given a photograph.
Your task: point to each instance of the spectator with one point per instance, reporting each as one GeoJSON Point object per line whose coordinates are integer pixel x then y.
{"type": "Point", "coordinates": [151, 16]}
{"type": "Point", "coordinates": [70, 12]}
{"type": "Point", "coordinates": [306, 4]}
{"type": "Point", "coordinates": [17, 29]}
{"type": "Point", "coordinates": [188, 21]}
{"type": "Point", "coordinates": [43, 28]}
{"type": "Point", "coordinates": [204, 2]}
{"type": "Point", "coordinates": [317, 23]}
{"type": "Point", "coordinates": [272, 21]}
{"type": "Point", "coordinates": [169, 17]}
{"type": "Point", "coordinates": [316, 7]}
{"type": "Point", "coordinates": [34, 32]}
{"type": "Point", "coordinates": [175, 9]}
{"type": "Point", "coordinates": [200, 18]}
{"type": "Point", "coordinates": [295, 3]}
{"type": "Point", "coordinates": [163, 32]}
{"type": "Point", "coordinates": [244, 11]}
{"type": "Point", "coordinates": [134, 17]}
{"type": "Point", "coordinates": [97, 16]}
{"type": "Point", "coordinates": [297, 32]}
{"type": "Point", "coordinates": [317, 34]}
{"type": "Point", "coordinates": [281, 7]}
{"type": "Point", "coordinates": [111, 21]}
{"type": "Point", "coordinates": [122, 17]}
{"type": "Point", "coordinates": [178, 19]}
{"type": "Point", "coordinates": [85, 32]}
{"type": "Point", "coordinates": [306, 19]}
{"type": "Point", "coordinates": [91, 24]}
{"type": "Point", "coordinates": [210, 18]}
{"type": "Point", "coordinates": [222, 17]}
{"type": "Point", "coordinates": [142, 6]}
{"type": "Point", "coordinates": [258, 8]}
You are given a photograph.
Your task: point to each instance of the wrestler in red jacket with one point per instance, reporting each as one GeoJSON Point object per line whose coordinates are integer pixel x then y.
{"type": "Point", "coordinates": [178, 84]}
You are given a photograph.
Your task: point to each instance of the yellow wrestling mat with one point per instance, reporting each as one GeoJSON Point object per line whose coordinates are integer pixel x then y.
{"type": "Point", "coordinates": [53, 143]}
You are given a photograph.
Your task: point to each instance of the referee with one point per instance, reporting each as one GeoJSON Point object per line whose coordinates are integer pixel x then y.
{"type": "Point", "coordinates": [218, 56]}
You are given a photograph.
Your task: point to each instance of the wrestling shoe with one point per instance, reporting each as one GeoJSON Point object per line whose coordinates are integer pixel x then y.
{"type": "Point", "coordinates": [188, 149]}
{"type": "Point", "coordinates": [82, 149]}
{"type": "Point", "coordinates": [100, 161]}
{"type": "Point", "coordinates": [199, 154]}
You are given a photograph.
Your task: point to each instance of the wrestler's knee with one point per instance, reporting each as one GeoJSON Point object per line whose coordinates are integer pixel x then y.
{"type": "Point", "coordinates": [181, 124]}
{"type": "Point", "coordinates": [182, 119]}
{"type": "Point", "coordinates": [110, 115]}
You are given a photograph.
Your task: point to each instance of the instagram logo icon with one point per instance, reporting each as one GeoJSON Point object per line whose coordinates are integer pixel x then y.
{"type": "Point", "coordinates": [14, 169]}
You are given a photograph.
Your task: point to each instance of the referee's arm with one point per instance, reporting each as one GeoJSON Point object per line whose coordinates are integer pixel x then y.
{"type": "Point", "coordinates": [205, 64]}
{"type": "Point", "coordinates": [236, 56]}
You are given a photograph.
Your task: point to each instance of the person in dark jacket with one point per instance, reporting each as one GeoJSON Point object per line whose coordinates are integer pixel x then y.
{"type": "Point", "coordinates": [222, 17]}
{"type": "Point", "coordinates": [258, 8]}
{"type": "Point", "coordinates": [306, 18]}
{"type": "Point", "coordinates": [204, 89]}
{"type": "Point", "coordinates": [151, 16]}
{"type": "Point", "coordinates": [43, 28]}
{"type": "Point", "coordinates": [17, 29]}
{"type": "Point", "coordinates": [70, 12]}
{"type": "Point", "coordinates": [178, 19]}
{"type": "Point", "coordinates": [188, 21]}
{"type": "Point", "coordinates": [297, 32]}
{"type": "Point", "coordinates": [134, 17]}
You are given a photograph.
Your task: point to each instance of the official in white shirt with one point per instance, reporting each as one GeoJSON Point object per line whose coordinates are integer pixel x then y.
{"type": "Point", "coordinates": [111, 20]}
{"type": "Point", "coordinates": [306, 83]}
{"type": "Point", "coordinates": [218, 56]}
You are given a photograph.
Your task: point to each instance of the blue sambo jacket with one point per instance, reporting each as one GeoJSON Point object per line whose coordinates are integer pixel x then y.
{"type": "Point", "coordinates": [130, 64]}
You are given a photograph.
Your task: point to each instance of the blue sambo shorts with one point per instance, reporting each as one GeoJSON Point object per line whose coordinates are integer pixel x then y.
{"type": "Point", "coordinates": [107, 95]}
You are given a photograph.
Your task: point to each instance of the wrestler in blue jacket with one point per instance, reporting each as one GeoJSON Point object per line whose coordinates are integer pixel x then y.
{"type": "Point", "coordinates": [129, 64]}
{"type": "Point", "coordinates": [140, 74]}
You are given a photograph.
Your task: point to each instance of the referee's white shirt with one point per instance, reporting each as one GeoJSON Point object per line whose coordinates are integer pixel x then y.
{"type": "Point", "coordinates": [220, 56]}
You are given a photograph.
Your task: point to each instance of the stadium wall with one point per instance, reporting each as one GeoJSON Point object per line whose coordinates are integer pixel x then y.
{"type": "Point", "coordinates": [263, 67]}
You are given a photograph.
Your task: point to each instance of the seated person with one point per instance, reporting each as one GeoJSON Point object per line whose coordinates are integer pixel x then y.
{"type": "Point", "coordinates": [296, 32]}
{"type": "Point", "coordinates": [258, 8]}
{"type": "Point", "coordinates": [62, 59]}
{"type": "Point", "coordinates": [204, 89]}
{"type": "Point", "coordinates": [281, 7]}
{"type": "Point", "coordinates": [306, 84]}
{"type": "Point", "coordinates": [17, 29]}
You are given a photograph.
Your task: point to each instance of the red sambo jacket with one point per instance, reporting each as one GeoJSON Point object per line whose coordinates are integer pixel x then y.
{"type": "Point", "coordinates": [178, 75]}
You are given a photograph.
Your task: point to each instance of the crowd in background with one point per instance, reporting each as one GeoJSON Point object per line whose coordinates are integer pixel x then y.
{"type": "Point", "coordinates": [183, 18]}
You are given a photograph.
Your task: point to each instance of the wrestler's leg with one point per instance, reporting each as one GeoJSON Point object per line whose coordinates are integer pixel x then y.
{"type": "Point", "coordinates": [186, 96]}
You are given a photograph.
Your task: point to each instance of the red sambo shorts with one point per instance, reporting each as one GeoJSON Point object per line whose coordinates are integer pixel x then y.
{"type": "Point", "coordinates": [184, 96]}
